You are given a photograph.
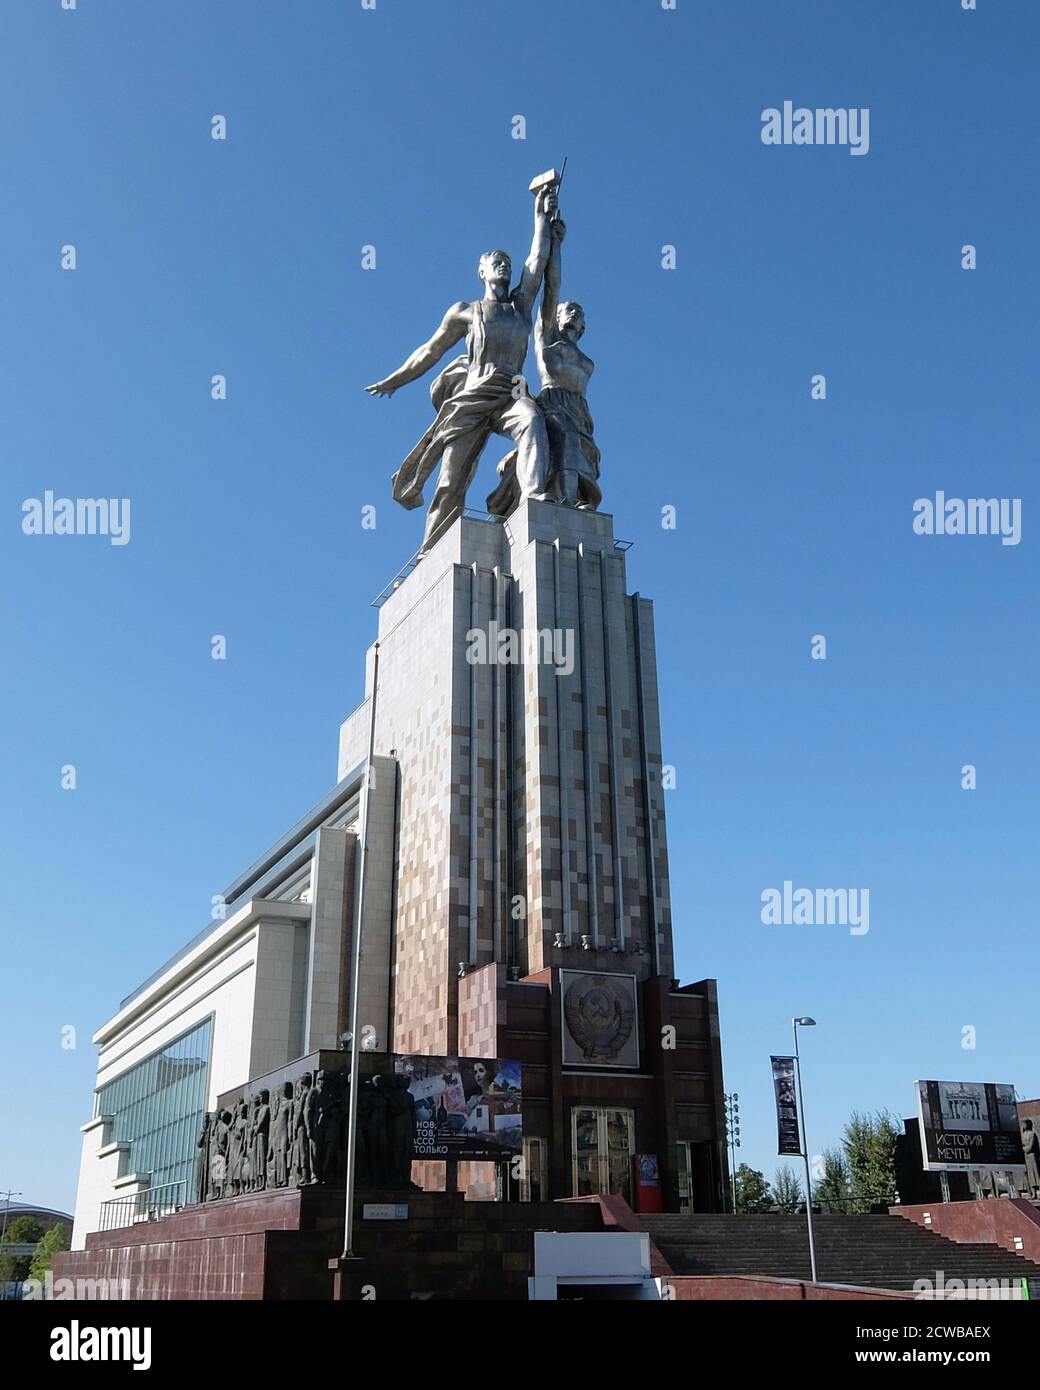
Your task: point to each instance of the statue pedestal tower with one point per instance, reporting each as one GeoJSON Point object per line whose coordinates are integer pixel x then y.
{"type": "Point", "coordinates": [517, 901]}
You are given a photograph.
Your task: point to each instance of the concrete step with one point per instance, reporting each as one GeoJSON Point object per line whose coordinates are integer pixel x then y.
{"type": "Point", "coordinates": [876, 1251]}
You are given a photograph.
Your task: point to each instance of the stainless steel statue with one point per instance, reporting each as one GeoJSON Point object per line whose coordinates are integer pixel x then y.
{"type": "Point", "coordinates": [565, 371]}
{"type": "Point", "coordinates": [483, 392]}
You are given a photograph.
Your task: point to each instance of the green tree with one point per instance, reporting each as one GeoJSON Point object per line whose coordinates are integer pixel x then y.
{"type": "Point", "coordinates": [752, 1190]}
{"type": "Point", "coordinates": [869, 1142]}
{"type": "Point", "coordinates": [834, 1189]}
{"type": "Point", "coordinates": [787, 1189]}
{"type": "Point", "coordinates": [24, 1230]}
{"type": "Point", "coordinates": [53, 1240]}
{"type": "Point", "coordinates": [12, 1267]}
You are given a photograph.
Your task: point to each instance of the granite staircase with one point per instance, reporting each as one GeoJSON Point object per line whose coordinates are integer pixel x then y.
{"type": "Point", "coordinates": [880, 1252]}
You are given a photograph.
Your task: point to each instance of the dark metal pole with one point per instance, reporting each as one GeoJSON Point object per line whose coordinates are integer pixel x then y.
{"type": "Point", "coordinates": [805, 1153]}
{"type": "Point", "coordinates": [7, 1207]}
{"type": "Point", "coordinates": [355, 979]}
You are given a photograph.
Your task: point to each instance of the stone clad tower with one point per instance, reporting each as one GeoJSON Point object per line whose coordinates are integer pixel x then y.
{"type": "Point", "coordinates": [516, 720]}
{"type": "Point", "coordinates": [530, 809]}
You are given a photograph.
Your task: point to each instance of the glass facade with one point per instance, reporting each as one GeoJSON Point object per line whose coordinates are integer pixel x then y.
{"type": "Point", "coordinates": [157, 1108]}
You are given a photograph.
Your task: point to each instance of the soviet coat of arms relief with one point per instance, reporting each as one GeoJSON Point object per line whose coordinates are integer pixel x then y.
{"type": "Point", "coordinates": [599, 1019]}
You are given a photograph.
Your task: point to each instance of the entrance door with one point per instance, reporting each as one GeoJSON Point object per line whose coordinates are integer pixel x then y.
{"type": "Point", "coordinates": [602, 1145]}
{"type": "Point", "coordinates": [525, 1181]}
{"type": "Point", "coordinates": [684, 1171]}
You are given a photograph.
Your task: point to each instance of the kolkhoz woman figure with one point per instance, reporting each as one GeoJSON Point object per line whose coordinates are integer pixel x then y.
{"type": "Point", "coordinates": [564, 370]}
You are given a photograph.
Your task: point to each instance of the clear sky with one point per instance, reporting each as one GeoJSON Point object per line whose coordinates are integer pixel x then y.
{"type": "Point", "coordinates": [394, 127]}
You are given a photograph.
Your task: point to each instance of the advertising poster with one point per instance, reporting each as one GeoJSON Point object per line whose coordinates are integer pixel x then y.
{"type": "Point", "coordinates": [465, 1107]}
{"type": "Point", "coordinates": [968, 1125]}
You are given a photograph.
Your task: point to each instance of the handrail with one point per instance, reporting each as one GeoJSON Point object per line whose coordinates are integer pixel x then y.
{"type": "Point", "coordinates": [152, 1204]}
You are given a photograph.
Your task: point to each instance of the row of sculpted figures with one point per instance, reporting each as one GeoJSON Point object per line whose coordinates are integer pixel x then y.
{"type": "Point", "coordinates": [296, 1136]}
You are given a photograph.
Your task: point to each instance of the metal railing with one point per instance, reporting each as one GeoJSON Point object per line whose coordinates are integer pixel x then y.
{"type": "Point", "coordinates": [150, 1205]}
{"type": "Point", "coordinates": [838, 1206]}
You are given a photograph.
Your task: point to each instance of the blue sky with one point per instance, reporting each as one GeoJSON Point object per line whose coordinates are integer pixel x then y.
{"type": "Point", "coordinates": [393, 127]}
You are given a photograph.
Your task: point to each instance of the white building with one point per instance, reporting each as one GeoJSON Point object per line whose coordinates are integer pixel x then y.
{"type": "Point", "coordinates": [259, 987]}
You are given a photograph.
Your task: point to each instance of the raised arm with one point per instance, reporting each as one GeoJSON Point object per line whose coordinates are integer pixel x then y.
{"type": "Point", "coordinates": [454, 326]}
{"type": "Point", "coordinates": [545, 326]}
{"type": "Point", "coordinates": [534, 267]}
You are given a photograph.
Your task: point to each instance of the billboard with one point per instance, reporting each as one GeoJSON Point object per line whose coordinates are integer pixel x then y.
{"type": "Point", "coordinates": [787, 1137]}
{"type": "Point", "coordinates": [465, 1107]}
{"type": "Point", "coordinates": [968, 1125]}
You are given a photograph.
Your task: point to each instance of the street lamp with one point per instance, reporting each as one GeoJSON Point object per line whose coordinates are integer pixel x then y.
{"type": "Point", "coordinates": [732, 1103]}
{"type": "Point", "coordinates": [354, 1030]}
{"type": "Point", "coordinates": [7, 1207]}
{"type": "Point", "coordinates": [796, 1023]}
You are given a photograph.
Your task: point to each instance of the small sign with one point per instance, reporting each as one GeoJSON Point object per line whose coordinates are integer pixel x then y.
{"type": "Point", "coordinates": [384, 1211]}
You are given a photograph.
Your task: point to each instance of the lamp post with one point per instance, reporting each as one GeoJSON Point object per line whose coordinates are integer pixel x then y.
{"type": "Point", "coordinates": [805, 1023]}
{"type": "Point", "coordinates": [355, 988]}
{"type": "Point", "coordinates": [7, 1207]}
{"type": "Point", "coordinates": [732, 1103]}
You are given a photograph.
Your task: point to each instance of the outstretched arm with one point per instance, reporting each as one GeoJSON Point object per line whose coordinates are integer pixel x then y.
{"type": "Point", "coordinates": [534, 266]}
{"type": "Point", "coordinates": [454, 326]}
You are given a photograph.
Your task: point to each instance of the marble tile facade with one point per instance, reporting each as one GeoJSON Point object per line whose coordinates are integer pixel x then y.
{"type": "Point", "coordinates": [528, 802]}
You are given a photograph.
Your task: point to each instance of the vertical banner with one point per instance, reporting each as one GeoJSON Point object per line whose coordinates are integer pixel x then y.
{"type": "Point", "coordinates": [787, 1139]}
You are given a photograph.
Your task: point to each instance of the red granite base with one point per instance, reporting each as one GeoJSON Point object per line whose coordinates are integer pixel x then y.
{"type": "Point", "coordinates": [279, 1245]}
{"type": "Point", "coordinates": [1013, 1223]}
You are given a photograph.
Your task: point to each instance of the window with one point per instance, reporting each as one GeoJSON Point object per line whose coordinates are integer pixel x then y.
{"type": "Point", "coordinates": [157, 1108]}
